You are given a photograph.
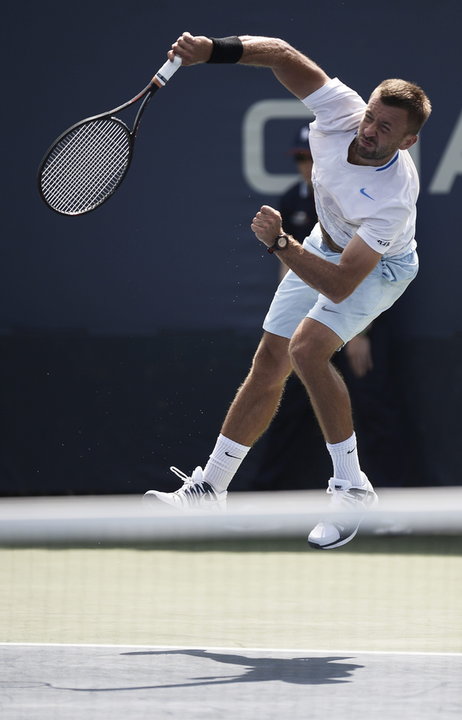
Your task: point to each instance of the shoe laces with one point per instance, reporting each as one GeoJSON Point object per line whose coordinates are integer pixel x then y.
{"type": "Point", "coordinates": [189, 481]}
{"type": "Point", "coordinates": [180, 474]}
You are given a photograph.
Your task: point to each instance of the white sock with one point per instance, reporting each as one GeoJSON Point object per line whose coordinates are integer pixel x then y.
{"type": "Point", "coordinates": [345, 460]}
{"type": "Point", "coordinates": [224, 462]}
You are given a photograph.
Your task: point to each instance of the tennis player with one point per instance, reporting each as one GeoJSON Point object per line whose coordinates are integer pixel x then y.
{"type": "Point", "coordinates": [356, 263]}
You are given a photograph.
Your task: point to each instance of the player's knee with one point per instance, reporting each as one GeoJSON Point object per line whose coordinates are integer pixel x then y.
{"type": "Point", "coordinates": [307, 354]}
{"type": "Point", "coordinates": [301, 353]}
{"type": "Point", "coordinates": [312, 346]}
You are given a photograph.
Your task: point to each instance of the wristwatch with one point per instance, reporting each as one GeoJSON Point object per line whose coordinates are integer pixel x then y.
{"type": "Point", "coordinates": [281, 242]}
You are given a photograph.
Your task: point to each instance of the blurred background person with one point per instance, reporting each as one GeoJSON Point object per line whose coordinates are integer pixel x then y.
{"type": "Point", "coordinates": [296, 205]}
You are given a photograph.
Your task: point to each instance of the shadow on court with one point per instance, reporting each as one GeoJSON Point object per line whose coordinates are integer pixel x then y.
{"type": "Point", "coordinates": [299, 671]}
{"type": "Point", "coordinates": [119, 682]}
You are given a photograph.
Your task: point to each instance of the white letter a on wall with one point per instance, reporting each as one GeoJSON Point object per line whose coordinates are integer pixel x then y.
{"type": "Point", "coordinates": [450, 165]}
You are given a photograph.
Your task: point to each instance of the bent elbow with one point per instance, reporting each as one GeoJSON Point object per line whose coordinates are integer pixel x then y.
{"type": "Point", "coordinates": [339, 295]}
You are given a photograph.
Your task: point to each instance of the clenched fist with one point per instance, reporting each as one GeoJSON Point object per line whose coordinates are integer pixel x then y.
{"type": "Point", "coordinates": [267, 225]}
{"type": "Point", "coordinates": [192, 49]}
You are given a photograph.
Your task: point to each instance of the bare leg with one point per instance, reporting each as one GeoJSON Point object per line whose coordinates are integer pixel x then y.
{"type": "Point", "coordinates": [258, 398]}
{"type": "Point", "coordinates": [311, 349]}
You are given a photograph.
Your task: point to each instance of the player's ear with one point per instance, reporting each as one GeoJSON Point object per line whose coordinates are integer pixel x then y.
{"type": "Point", "coordinates": [408, 142]}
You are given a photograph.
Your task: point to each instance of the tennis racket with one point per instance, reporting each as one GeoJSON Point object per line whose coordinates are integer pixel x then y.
{"type": "Point", "coordinates": [87, 163]}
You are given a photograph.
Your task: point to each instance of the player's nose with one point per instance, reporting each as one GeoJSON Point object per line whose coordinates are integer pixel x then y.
{"type": "Point", "coordinates": [370, 129]}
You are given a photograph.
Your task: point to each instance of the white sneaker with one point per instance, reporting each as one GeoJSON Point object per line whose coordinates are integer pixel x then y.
{"type": "Point", "coordinates": [195, 494]}
{"type": "Point", "coordinates": [356, 501]}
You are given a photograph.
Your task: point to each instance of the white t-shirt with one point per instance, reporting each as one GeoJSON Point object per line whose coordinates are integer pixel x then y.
{"type": "Point", "coordinates": [377, 203]}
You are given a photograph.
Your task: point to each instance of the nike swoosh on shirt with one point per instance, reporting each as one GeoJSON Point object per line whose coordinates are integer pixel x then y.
{"type": "Point", "coordinates": [326, 309]}
{"type": "Point", "coordinates": [363, 192]}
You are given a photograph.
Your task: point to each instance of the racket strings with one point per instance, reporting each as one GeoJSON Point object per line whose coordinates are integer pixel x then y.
{"type": "Point", "coordinates": [86, 166]}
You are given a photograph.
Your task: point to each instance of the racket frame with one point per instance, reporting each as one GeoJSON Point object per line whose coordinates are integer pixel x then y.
{"type": "Point", "coordinates": [158, 81]}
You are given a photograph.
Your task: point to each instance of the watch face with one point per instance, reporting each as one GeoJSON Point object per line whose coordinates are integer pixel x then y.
{"type": "Point", "coordinates": [282, 242]}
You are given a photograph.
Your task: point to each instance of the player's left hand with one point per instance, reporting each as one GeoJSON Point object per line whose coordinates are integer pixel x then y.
{"type": "Point", "coordinates": [267, 225]}
{"type": "Point", "coordinates": [359, 354]}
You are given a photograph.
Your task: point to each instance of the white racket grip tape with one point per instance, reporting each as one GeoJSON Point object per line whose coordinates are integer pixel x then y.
{"type": "Point", "coordinates": [168, 69]}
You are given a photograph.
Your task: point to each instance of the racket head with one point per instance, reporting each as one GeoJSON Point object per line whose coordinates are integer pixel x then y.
{"type": "Point", "coordinates": [85, 165]}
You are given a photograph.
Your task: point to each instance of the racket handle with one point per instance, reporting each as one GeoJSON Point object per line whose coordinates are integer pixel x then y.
{"type": "Point", "coordinates": [164, 73]}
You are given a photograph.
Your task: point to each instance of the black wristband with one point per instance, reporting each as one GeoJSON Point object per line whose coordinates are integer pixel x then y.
{"type": "Point", "coordinates": [226, 50]}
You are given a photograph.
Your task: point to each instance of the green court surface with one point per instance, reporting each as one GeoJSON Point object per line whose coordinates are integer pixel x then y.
{"type": "Point", "coordinates": [378, 593]}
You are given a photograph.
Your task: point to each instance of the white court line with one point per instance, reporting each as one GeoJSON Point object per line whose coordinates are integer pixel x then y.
{"type": "Point", "coordinates": [235, 649]}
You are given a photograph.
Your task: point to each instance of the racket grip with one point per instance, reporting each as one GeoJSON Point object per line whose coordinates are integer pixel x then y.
{"type": "Point", "coordinates": [164, 73]}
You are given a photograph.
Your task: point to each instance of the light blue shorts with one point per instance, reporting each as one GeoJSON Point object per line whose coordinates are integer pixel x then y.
{"type": "Point", "coordinates": [294, 300]}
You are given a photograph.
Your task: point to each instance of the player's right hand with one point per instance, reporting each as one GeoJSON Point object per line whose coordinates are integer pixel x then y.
{"type": "Point", "coordinates": [192, 49]}
{"type": "Point", "coordinates": [267, 225]}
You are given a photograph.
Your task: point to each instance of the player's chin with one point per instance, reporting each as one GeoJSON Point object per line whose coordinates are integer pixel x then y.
{"type": "Point", "coordinates": [367, 152]}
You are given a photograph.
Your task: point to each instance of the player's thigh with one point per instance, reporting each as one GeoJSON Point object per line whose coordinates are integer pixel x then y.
{"type": "Point", "coordinates": [292, 301]}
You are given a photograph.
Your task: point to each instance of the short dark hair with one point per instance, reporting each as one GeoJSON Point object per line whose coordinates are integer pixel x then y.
{"type": "Point", "coordinates": [410, 97]}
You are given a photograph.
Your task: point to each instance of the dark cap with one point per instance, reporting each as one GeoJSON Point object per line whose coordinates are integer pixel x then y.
{"type": "Point", "coordinates": [301, 143]}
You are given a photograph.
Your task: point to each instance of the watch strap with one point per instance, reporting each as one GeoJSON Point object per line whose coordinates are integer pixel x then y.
{"type": "Point", "coordinates": [275, 245]}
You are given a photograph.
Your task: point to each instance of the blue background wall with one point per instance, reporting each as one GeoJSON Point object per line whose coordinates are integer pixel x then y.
{"type": "Point", "coordinates": [155, 300]}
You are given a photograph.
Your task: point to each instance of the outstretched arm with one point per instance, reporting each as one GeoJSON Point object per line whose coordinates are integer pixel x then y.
{"type": "Point", "coordinates": [300, 75]}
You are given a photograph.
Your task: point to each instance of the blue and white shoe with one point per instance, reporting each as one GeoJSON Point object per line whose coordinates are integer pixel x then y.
{"type": "Point", "coordinates": [195, 494]}
{"type": "Point", "coordinates": [355, 501]}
